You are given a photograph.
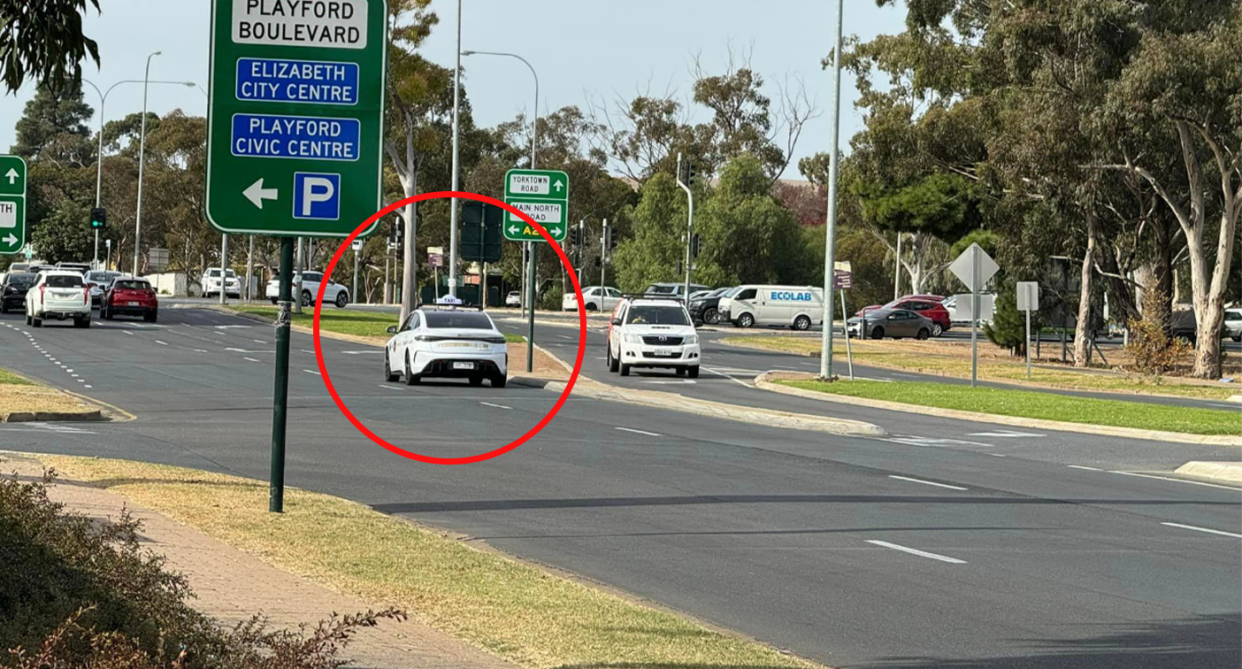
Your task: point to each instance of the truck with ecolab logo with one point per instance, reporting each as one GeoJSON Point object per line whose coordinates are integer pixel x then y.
{"type": "Point", "coordinates": [797, 307]}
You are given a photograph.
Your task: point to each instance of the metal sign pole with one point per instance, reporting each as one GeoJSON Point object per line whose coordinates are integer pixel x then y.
{"type": "Point", "coordinates": [849, 354]}
{"type": "Point", "coordinates": [974, 318]}
{"type": "Point", "coordinates": [224, 268]}
{"type": "Point", "coordinates": [280, 396]}
{"type": "Point", "coordinates": [1029, 302]}
{"type": "Point", "coordinates": [530, 327]}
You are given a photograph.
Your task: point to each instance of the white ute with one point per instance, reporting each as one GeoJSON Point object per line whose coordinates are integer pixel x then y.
{"type": "Point", "coordinates": [655, 333]}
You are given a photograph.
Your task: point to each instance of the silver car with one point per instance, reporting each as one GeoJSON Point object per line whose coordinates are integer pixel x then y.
{"type": "Point", "coordinates": [895, 323]}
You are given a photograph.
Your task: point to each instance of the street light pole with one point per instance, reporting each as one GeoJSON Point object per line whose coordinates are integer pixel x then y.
{"type": "Point", "coordinates": [825, 360]}
{"type": "Point", "coordinates": [142, 161]}
{"type": "Point", "coordinates": [456, 163]}
{"type": "Point", "coordinates": [99, 154]}
{"type": "Point", "coordinates": [689, 228]}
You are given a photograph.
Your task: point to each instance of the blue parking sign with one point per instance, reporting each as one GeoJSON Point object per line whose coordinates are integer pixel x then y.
{"type": "Point", "coordinates": [316, 196]}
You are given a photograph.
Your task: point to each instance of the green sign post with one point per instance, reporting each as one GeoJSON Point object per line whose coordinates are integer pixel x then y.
{"type": "Point", "coordinates": [295, 124]}
{"type": "Point", "coordinates": [12, 204]}
{"type": "Point", "coordinates": [544, 196]}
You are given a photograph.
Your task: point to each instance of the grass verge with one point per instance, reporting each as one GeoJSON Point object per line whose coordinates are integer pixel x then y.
{"type": "Point", "coordinates": [521, 613]}
{"type": "Point", "coordinates": [946, 359]}
{"type": "Point", "coordinates": [345, 321]}
{"type": "Point", "coordinates": [1033, 404]}
{"type": "Point", "coordinates": [19, 395]}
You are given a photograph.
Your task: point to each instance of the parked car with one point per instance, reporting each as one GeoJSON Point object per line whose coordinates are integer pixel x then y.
{"type": "Point", "coordinates": [127, 296]}
{"type": "Point", "coordinates": [895, 323]}
{"type": "Point", "coordinates": [594, 298]}
{"type": "Point", "coordinates": [447, 343]}
{"type": "Point", "coordinates": [950, 305]}
{"type": "Point", "coordinates": [97, 282]}
{"type": "Point", "coordinates": [13, 290]}
{"type": "Point", "coordinates": [79, 267]}
{"type": "Point", "coordinates": [657, 333]}
{"type": "Point", "coordinates": [1233, 324]}
{"type": "Point", "coordinates": [334, 294]}
{"type": "Point", "coordinates": [513, 299]}
{"type": "Point", "coordinates": [61, 295]}
{"type": "Point", "coordinates": [939, 310]}
{"type": "Point", "coordinates": [210, 282]}
{"type": "Point", "coordinates": [798, 307]}
{"type": "Point", "coordinates": [670, 289]}
{"type": "Point", "coordinates": [705, 306]}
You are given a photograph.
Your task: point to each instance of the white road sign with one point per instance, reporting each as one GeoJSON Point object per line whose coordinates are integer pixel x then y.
{"type": "Point", "coordinates": [529, 184]}
{"type": "Point", "coordinates": [964, 267]}
{"type": "Point", "coordinates": [543, 213]}
{"type": "Point", "coordinates": [340, 24]}
{"type": "Point", "coordinates": [1028, 296]}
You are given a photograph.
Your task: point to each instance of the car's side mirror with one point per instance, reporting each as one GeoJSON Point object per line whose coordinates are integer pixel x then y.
{"type": "Point", "coordinates": [392, 329]}
{"type": "Point", "coordinates": [616, 321]}
{"type": "Point", "coordinates": [892, 317]}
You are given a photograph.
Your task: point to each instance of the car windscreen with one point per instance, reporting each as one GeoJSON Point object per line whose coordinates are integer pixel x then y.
{"type": "Point", "coordinates": [657, 315]}
{"type": "Point", "coordinates": [19, 279]}
{"type": "Point", "coordinates": [1233, 315]}
{"type": "Point", "coordinates": [59, 281]}
{"type": "Point", "coordinates": [457, 319]}
{"type": "Point", "coordinates": [131, 285]}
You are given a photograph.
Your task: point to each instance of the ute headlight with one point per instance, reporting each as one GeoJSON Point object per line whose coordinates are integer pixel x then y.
{"type": "Point", "coordinates": [692, 340]}
{"type": "Point", "coordinates": [634, 339]}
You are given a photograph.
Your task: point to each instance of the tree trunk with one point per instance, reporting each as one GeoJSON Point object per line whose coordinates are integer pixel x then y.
{"type": "Point", "coordinates": [1082, 333]}
{"type": "Point", "coordinates": [409, 274]}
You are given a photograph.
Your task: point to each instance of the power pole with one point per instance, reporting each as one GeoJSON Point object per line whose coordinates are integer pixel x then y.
{"type": "Point", "coordinates": [830, 241]}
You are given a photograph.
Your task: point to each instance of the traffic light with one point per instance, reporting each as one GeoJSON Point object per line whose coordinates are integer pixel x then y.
{"type": "Point", "coordinates": [398, 232]}
{"type": "Point", "coordinates": [99, 218]}
{"type": "Point", "coordinates": [611, 241]}
{"type": "Point", "coordinates": [687, 173]}
{"type": "Point", "coordinates": [574, 237]}
{"type": "Point", "coordinates": [695, 245]}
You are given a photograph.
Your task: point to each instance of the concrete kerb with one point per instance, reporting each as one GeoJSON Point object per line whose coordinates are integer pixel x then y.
{"type": "Point", "coordinates": [1229, 472]}
{"type": "Point", "coordinates": [763, 381]}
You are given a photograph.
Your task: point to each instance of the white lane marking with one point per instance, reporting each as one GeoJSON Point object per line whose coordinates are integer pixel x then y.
{"type": "Point", "coordinates": [308, 351]}
{"type": "Point", "coordinates": [1089, 469]}
{"type": "Point", "coordinates": [69, 371]}
{"type": "Point", "coordinates": [128, 332]}
{"type": "Point", "coordinates": [88, 386]}
{"type": "Point", "coordinates": [73, 375]}
{"type": "Point", "coordinates": [915, 551]}
{"type": "Point", "coordinates": [938, 485]}
{"type": "Point", "coordinates": [1169, 478]}
{"type": "Point", "coordinates": [258, 341]}
{"type": "Point", "coordinates": [161, 343]}
{"type": "Point", "coordinates": [997, 455]}
{"type": "Point", "coordinates": [250, 359]}
{"type": "Point", "coordinates": [498, 406]}
{"type": "Point", "coordinates": [358, 352]}
{"type": "Point", "coordinates": [1004, 434]}
{"type": "Point", "coordinates": [1203, 529]}
{"type": "Point", "coordinates": [311, 371]}
{"type": "Point", "coordinates": [930, 441]}
{"type": "Point", "coordinates": [672, 382]}
{"type": "Point", "coordinates": [388, 387]}
{"type": "Point", "coordinates": [642, 432]}
{"type": "Point", "coordinates": [735, 380]}
{"type": "Point", "coordinates": [200, 350]}
{"type": "Point", "coordinates": [81, 380]}
{"type": "Point", "coordinates": [242, 350]}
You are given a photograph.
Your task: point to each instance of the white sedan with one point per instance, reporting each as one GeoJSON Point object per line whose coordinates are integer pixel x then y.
{"type": "Point", "coordinates": [334, 294]}
{"type": "Point", "coordinates": [447, 343]}
{"type": "Point", "coordinates": [594, 298]}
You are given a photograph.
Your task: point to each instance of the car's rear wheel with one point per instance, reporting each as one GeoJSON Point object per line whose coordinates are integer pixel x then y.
{"type": "Point", "coordinates": [36, 322]}
{"type": "Point", "coordinates": [151, 317]}
{"type": "Point", "coordinates": [272, 299]}
{"type": "Point", "coordinates": [4, 308]}
{"type": "Point", "coordinates": [876, 333]}
{"type": "Point", "coordinates": [81, 322]}
{"type": "Point", "coordinates": [681, 371]}
{"type": "Point", "coordinates": [590, 306]}
{"type": "Point", "coordinates": [28, 319]}
{"type": "Point", "coordinates": [711, 316]}
{"type": "Point", "coordinates": [341, 300]}
{"type": "Point", "coordinates": [1238, 338]}
{"type": "Point", "coordinates": [745, 321]}
{"type": "Point", "coordinates": [802, 323]}
{"type": "Point", "coordinates": [499, 381]}
{"type": "Point", "coordinates": [923, 334]}
{"type": "Point", "coordinates": [306, 298]}
{"type": "Point", "coordinates": [937, 330]}
{"type": "Point", "coordinates": [476, 381]}
{"type": "Point", "coordinates": [693, 372]}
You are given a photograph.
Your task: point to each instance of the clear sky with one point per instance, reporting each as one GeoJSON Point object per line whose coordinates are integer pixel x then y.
{"type": "Point", "coordinates": [582, 49]}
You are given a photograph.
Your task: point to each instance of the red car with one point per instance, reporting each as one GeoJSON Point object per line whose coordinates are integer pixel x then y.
{"type": "Point", "coordinates": [127, 296]}
{"type": "Point", "coordinates": [928, 306]}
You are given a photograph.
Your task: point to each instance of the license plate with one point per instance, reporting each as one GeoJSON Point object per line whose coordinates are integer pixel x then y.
{"type": "Point", "coordinates": [463, 365]}
{"type": "Point", "coordinates": [132, 304]}
{"type": "Point", "coordinates": [664, 353]}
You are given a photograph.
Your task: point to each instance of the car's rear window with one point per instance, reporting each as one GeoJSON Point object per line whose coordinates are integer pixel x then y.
{"type": "Point", "coordinates": [467, 320]}
{"type": "Point", "coordinates": [20, 279]}
{"type": "Point", "coordinates": [656, 315]}
{"type": "Point", "coordinates": [58, 281]}
{"type": "Point", "coordinates": [132, 285]}
{"type": "Point", "coordinates": [1233, 315]}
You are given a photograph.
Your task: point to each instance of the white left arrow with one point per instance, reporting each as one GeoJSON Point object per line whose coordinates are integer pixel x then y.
{"type": "Point", "coordinates": [256, 193]}
{"type": "Point", "coordinates": [513, 229]}
{"type": "Point", "coordinates": [10, 240]}
{"type": "Point", "coordinates": [11, 175]}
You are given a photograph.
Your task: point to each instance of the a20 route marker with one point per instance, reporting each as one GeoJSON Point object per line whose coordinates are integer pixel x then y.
{"type": "Point", "coordinates": [12, 204]}
{"type": "Point", "coordinates": [295, 123]}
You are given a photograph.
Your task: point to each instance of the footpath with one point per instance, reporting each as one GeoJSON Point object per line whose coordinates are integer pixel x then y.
{"type": "Point", "coordinates": [232, 585]}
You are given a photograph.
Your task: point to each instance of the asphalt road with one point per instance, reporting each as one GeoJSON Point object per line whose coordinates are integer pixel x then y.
{"type": "Point", "coordinates": [896, 552]}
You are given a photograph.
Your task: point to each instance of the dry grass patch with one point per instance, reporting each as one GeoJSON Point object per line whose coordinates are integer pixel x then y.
{"type": "Point", "coordinates": [521, 613]}
{"type": "Point", "coordinates": [19, 395]}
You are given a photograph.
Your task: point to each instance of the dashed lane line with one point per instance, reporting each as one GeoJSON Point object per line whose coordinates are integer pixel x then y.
{"type": "Point", "coordinates": [642, 432]}
{"type": "Point", "coordinates": [1203, 529]}
{"type": "Point", "coordinates": [915, 551]}
{"type": "Point", "coordinates": [496, 406]}
{"type": "Point", "coordinates": [933, 483]}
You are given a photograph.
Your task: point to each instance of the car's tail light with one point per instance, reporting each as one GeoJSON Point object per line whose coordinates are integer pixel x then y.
{"type": "Point", "coordinates": [42, 290]}
{"type": "Point", "coordinates": [86, 296]}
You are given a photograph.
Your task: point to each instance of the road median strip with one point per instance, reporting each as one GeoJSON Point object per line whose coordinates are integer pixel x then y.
{"type": "Point", "coordinates": [518, 611]}
{"type": "Point", "coordinates": [23, 400]}
{"type": "Point", "coordinates": [1213, 426]}
{"type": "Point", "coordinates": [1230, 472]}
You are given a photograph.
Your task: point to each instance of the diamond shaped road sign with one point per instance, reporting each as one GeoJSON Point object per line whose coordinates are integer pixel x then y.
{"type": "Point", "coordinates": [542, 195]}
{"type": "Point", "coordinates": [965, 265]}
{"type": "Point", "coordinates": [12, 204]}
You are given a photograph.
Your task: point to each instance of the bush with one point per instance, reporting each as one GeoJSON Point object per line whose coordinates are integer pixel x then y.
{"type": "Point", "coordinates": [1008, 326]}
{"type": "Point", "coordinates": [1153, 348]}
{"type": "Point", "coordinates": [80, 592]}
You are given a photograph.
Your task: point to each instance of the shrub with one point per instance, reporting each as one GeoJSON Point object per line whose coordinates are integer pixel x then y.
{"type": "Point", "coordinates": [1008, 326]}
{"type": "Point", "coordinates": [1154, 350]}
{"type": "Point", "coordinates": [80, 592]}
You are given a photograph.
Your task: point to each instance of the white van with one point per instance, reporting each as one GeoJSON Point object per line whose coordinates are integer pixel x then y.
{"type": "Point", "coordinates": [798, 307]}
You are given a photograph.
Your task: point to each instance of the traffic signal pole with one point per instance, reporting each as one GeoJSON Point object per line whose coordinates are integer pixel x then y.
{"type": "Point", "coordinates": [280, 395]}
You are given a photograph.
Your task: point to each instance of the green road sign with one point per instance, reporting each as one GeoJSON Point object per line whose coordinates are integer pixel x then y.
{"type": "Point", "coordinates": [12, 204]}
{"type": "Point", "coordinates": [544, 196]}
{"type": "Point", "coordinates": [295, 119]}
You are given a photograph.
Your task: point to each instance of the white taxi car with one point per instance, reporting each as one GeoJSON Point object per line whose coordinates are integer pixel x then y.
{"type": "Point", "coordinates": [58, 294]}
{"type": "Point", "coordinates": [653, 332]}
{"type": "Point", "coordinates": [447, 342]}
